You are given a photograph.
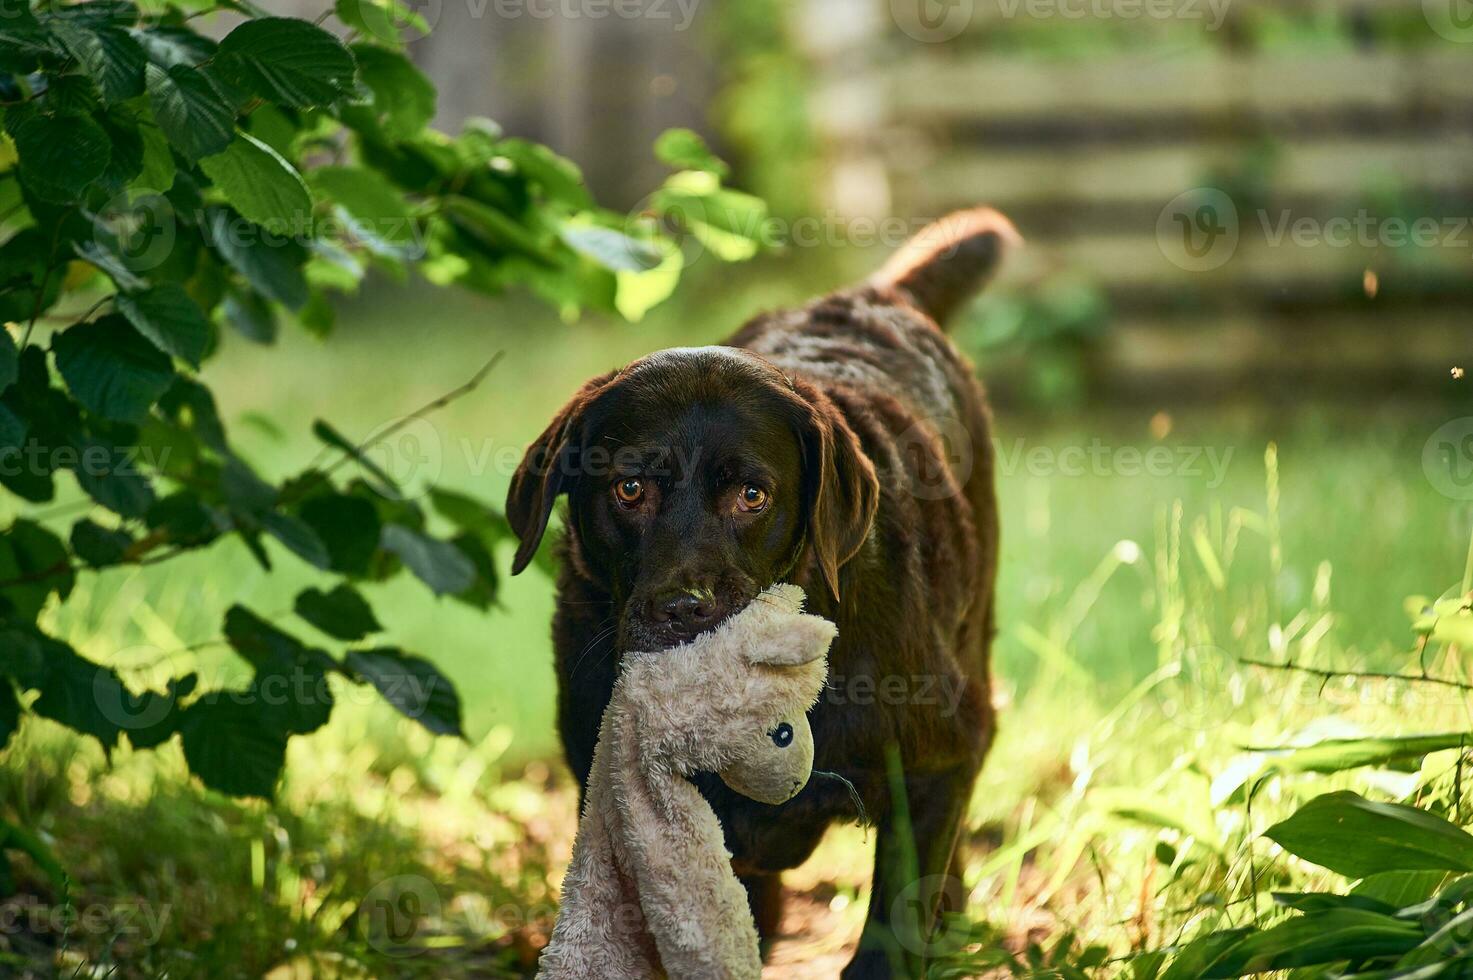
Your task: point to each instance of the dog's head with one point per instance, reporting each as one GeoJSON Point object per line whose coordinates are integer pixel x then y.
{"type": "Point", "coordinates": [695, 478]}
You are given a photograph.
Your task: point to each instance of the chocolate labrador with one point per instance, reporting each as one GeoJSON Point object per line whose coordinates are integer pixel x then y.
{"type": "Point", "coordinates": [844, 446]}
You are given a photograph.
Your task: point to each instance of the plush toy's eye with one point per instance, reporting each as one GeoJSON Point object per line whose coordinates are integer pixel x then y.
{"type": "Point", "coordinates": [628, 492]}
{"type": "Point", "coordinates": [782, 735]}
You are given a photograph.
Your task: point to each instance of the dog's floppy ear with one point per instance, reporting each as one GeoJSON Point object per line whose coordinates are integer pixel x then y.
{"type": "Point", "coordinates": [545, 472]}
{"type": "Point", "coordinates": [841, 490]}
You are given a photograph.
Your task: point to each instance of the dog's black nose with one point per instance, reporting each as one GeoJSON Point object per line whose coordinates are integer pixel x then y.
{"type": "Point", "coordinates": [685, 612]}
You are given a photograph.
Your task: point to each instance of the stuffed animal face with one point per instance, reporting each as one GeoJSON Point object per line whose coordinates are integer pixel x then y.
{"type": "Point", "coordinates": [773, 766]}
{"type": "Point", "coordinates": [734, 701]}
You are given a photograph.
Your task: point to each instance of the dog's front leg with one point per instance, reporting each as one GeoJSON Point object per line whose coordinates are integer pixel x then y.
{"type": "Point", "coordinates": [914, 879]}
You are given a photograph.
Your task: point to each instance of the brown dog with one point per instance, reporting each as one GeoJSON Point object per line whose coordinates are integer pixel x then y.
{"type": "Point", "coordinates": [844, 446]}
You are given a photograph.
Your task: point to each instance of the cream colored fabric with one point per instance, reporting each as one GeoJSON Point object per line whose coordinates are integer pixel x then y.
{"type": "Point", "coordinates": [651, 892]}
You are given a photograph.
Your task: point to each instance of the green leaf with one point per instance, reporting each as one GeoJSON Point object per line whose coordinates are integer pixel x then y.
{"type": "Point", "coordinates": [272, 265]}
{"type": "Point", "coordinates": [1332, 937]}
{"type": "Point", "coordinates": [101, 253]}
{"type": "Point", "coordinates": [109, 475]}
{"type": "Point", "coordinates": [348, 527]}
{"type": "Point", "coordinates": [170, 46]}
{"type": "Point", "coordinates": [261, 185]}
{"type": "Point", "coordinates": [185, 519]}
{"type": "Point", "coordinates": [494, 230]}
{"type": "Point", "coordinates": [59, 157]}
{"type": "Point", "coordinates": [483, 593]}
{"type": "Point", "coordinates": [342, 613]}
{"type": "Point", "coordinates": [413, 685]}
{"type": "Point", "coordinates": [330, 436]}
{"type": "Point", "coordinates": [99, 546]}
{"type": "Point", "coordinates": [470, 514]}
{"type": "Point", "coordinates": [1338, 755]}
{"type": "Point", "coordinates": [639, 292]}
{"type": "Point", "coordinates": [382, 20]}
{"type": "Point", "coordinates": [24, 43]}
{"type": "Point", "coordinates": [298, 538]}
{"type": "Point", "coordinates": [558, 177]}
{"type": "Point", "coordinates": [232, 745]}
{"type": "Point", "coordinates": [38, 559]}
{"type": "Point", "coordinates": [110, 56]}
{"type": "Point", "coordinates": [291, 677]}
{"type": "Point", "coordinates": [26, 288]}
{"type": "Point", "coordinates": [167, 316]}
{"type": "Point", "coordinates": [611, 249]}
{"type": "Point", "coordinates": [9, 711]}
{"type": "Point", "coordinates": [73, 690]}
{"type": "Point", "coordinates": [684, 149]}
{"type": "Point", "coordinates": [263, 646]}
{"type": "Point", "coordinates": [9, 360]}
{"type": "Point", "coordinates": [403, 98]}
{"type": "Point", "coordinates": [192, 112]}
{"type": "Point", "coordinates": [287, 61]}
{"type": "Point", "coordinates": [1355, 837]}
{"type": "Point", "coordinates": [378, 212]}
{"type": "Point", "coordinates": [251, 316]}
{"type": "Point", "coordinates": [439, 564]}
{"type": "Point", "coordinates": [111, 369]}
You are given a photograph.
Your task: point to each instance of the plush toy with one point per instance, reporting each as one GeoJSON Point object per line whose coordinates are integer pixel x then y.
{"type": "Point", "coordinates": [650, 891]}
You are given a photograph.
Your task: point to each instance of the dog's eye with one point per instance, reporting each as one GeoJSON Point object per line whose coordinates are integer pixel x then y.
{"type": "Point", "coordinates": [782, 735]}
{"type": "Point", "coordinates": [751, 498]}
{"type": "Point", "coordinates": [628, 492]}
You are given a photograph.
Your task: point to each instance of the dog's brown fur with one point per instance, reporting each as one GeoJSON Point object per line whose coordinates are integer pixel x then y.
{"type": "Point", "coordinates": [894, 537]}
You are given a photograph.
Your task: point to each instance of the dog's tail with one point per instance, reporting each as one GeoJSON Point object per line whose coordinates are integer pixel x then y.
{"type": "Point", "coordinates": [948, 260]}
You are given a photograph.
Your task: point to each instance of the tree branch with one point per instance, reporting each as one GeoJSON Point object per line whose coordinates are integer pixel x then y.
{"type": "Point", "coordinates": [1365, 675]}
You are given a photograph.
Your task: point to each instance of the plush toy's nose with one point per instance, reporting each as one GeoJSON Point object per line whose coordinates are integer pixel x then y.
{"type": "Point", "coordinates": [687, 611]}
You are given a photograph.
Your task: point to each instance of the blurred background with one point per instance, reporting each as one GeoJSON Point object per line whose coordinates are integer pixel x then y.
{"type": "Point", "coordinates": [1231, 421]}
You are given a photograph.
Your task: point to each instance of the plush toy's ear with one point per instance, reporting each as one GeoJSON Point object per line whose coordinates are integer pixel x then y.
{"type": "Point", "coordinates": [546, 471]}
{"type": "Point", "coordinates": [797, 640]}
{"type": "Point", "coordinates": [841, 490]}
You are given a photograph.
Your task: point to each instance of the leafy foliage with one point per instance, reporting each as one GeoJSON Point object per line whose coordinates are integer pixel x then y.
{"type": "Point", "coordinates": [159, 188]}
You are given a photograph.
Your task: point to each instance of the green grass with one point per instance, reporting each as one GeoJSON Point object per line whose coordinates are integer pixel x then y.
{"type": "Point", "coordinates": [1104, 817]}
